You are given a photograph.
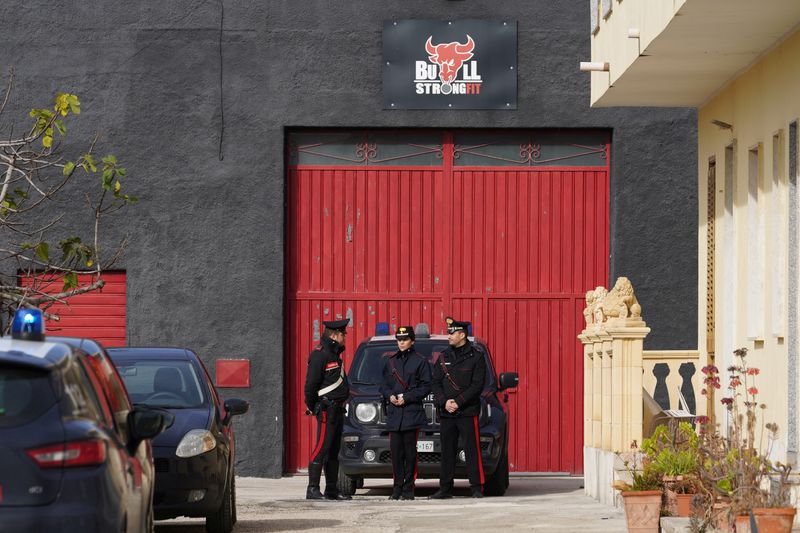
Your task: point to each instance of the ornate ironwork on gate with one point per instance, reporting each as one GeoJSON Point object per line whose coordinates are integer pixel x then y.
{"type": "Point", "coordinates": [529, 148]}
{"type": "Point", "coordinates": [538, 148]}
{"type": "Point", "coordinates": [365, 148]}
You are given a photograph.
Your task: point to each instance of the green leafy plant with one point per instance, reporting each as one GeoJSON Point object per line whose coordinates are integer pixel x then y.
{"type": "Point", "coordinates": [673, 448]}
{"type": "Point", "coordinates": [41, 186]}
{"type": "Point", "coordinates": [640, 470]}
{"type": "Point", "coordinates": [735, 467]}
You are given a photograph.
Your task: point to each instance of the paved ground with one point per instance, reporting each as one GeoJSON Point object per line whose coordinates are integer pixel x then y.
{"type": "Point", "coordinates": [532, 503]}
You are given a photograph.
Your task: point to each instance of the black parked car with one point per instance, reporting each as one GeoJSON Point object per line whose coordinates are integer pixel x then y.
{"type": "Point", "coordinates": [194, 458]}
{"type": "Point", "coordinates": [73, 454]}
{"type": "Point", "coordinates": [365, 442]}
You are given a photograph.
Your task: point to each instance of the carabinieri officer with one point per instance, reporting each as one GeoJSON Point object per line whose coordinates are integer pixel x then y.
{"type": "Point", "coordinates": [326, 392]}
{"type": "Point", "coordinates": [458, 380]}
{"type": "Point", "coordinates": [406, 383]}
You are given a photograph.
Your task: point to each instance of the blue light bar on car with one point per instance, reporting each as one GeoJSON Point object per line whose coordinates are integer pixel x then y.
{"type": "Point", "coordinates": [28, 325]}
{"type": "Point", "coordinates": [382, 328]}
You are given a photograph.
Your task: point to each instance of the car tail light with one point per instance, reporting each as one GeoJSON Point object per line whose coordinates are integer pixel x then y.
{"type": "Point", "coordinates": [69, 454]}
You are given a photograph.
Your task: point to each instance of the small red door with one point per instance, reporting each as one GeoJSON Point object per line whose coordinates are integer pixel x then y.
{"type": "Point", "coordinates": [98, 315]}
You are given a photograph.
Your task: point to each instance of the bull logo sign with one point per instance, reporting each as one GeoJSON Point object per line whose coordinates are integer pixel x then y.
{"type": "Point", "coordinates": [440, 74]}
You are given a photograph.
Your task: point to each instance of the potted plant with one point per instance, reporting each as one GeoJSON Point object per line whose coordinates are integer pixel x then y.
{"type": "Point", "coordinates": [736, 468]}
{"type": "Point", "coordinates": [672, 449]}
{"type": "Point", "coordinates": [642, 493]}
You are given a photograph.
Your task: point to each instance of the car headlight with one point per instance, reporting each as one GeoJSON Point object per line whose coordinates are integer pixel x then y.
{"type": "Point", "coordinates": [195, 442]}
{"type": "Point", "coordinates": [366, 412]}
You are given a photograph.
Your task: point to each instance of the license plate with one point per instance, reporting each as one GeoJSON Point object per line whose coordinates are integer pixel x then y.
{"type": "Point", "coordinates": [424, 445]}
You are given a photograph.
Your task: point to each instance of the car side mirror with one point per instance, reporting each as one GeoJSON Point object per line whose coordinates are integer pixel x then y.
{"type": "Point", "coordinates": [146, 424]}
{"type": "Point", "coordinates": [509, 380]}
{"type": "Point", "coordinates": [234, 407]}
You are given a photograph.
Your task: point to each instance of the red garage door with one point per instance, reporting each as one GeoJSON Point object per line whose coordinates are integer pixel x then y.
{"type": "Point", "coordinates": [506, 230]}
{"type": "Point", "coordinates": [99, 314]}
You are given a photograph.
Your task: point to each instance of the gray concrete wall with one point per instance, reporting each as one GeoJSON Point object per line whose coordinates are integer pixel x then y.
{"type": "Point", "coordinates": [205, 259]}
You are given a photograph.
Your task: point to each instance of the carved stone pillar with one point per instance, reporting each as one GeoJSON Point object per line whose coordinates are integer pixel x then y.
{"type": "Point", "coordinates": [607, 389]}
{"type": "Point", "coordinates": [612, 346]}
{"type": "Point", "coordinates": [628, 335]}
{"type": "Point", "coordinates": [588, 366]}
{"type": "Point", "coordinates": [617, 393]}
{"type": "Point", "coordinates": [597, 392]}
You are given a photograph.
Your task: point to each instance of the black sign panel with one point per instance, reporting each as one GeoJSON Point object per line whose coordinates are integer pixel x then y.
{"type": "Point", "coordinates": [460, 64]}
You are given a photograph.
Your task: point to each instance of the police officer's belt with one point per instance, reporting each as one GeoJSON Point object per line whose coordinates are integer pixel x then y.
{"type": "Point", "coordinates": [332, 387]}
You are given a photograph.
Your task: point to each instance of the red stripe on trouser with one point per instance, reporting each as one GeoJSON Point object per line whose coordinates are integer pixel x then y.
{"type": "Point", "coordinates": [416, 455]}
{"type": "Point", "coordinates": [478, 447]}
{"type": "Point", "coordinates": [321, 437]}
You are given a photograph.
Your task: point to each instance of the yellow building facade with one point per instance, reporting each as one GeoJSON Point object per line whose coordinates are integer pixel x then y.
{"type": "Point", "coordinates": [738, 63]}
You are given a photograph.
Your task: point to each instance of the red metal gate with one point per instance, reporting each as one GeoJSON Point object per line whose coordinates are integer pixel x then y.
{"type": "Point", "coordinates": [482, 226]}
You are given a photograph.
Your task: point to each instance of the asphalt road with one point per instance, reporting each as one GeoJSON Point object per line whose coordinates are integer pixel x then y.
{"type": "Point", "coordinates": [532, 503]}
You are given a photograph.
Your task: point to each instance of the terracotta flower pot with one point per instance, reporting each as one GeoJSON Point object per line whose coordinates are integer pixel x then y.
{"type": "Point", "coordinates": [774, 520]}
{"type": "Point", "coordinates": [742, 523]}
{"type": "Point", "coordinates": [768, 520]}
{"type": "Point", "coordinates": [642, 510]}
{"type": "Point", "coordinates": [720, 517]}
{"type": "Point", "coordinates": [684, 504]}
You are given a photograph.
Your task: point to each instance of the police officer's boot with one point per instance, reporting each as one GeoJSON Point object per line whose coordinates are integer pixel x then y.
{"type": "Point", "coordinates": [331, 477]}
{"type": "Point", "coordinates": [314, 473]}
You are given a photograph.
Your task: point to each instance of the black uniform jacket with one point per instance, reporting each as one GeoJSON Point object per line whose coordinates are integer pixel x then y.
{"type": "Point", "coordinates": [324, 369]}
{"type": "Point", "coordinates": [467, 375]}
{"type": "Point", "coordinates": [409, 374]}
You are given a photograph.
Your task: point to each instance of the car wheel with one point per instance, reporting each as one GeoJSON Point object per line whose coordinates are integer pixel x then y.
{"type": "Point", "coordinates": [233, 496]}
{"type": "Point", "coordinates": [150, 525]}
{"type": "Point", "coordinates": [346, 484]}
{"type": "Point", "coordinates": [497, 483]}
{"type": "Point", "coordinates": [222, 520]}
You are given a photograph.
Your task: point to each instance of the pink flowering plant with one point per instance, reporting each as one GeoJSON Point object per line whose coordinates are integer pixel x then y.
{"type": "Point", "coordinates": [735, 467]}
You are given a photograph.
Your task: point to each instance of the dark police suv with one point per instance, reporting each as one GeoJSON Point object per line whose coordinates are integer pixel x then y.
{"type": "Point", "coordinates": [365, 441]}
{"type": "Point", "coordinates": [73, 454]}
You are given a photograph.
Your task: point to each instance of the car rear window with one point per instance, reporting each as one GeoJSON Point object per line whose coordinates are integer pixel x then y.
{"type": "Point", "coordinates": [172, 384]}
{"type": "Point", "coordinates": [25, 394]}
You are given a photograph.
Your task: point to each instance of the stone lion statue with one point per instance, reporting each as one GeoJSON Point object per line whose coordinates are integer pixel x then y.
{"type": "Point", "coordinates": [593, 298]}
{"type": "Point", "coordinates": [620, 302]}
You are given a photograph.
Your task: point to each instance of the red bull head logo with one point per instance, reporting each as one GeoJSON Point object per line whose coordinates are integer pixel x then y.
{"type": "Point", "coordinates": [450, 57]}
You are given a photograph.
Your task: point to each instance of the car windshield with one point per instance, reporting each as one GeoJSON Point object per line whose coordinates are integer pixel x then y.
{"type": "Point", "coordinates": [171, 384]}
{"type": "Point", "coordinates": [367, 367]}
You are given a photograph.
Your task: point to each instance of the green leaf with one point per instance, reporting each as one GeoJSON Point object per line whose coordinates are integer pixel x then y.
{"type": "Point", "coordinates": [43, 252]}
{"type": "Point", "coordinates": [70, 281]}
{"type": "Point", "coordinates": [74, 104]}
{"type": "Point", "coordinates": [60, 127]}
{"type": "Point", "coordinates": [22, 193]}
{"type": "Point", "coordinates": [117, 186]}
{"type": "Point", "coordinates": [25, 246]}
{"type": "Point", "coordinates": [68, 168]}
{"type": "Point", "coordinates": [90, 161]}
{"type": "Point", "coordinates": [110, 160]}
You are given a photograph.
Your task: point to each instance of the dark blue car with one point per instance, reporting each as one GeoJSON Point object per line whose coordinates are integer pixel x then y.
{"type": "Point", "coordinates": [72, 458]}
{"type": "Point", "coordinates": [195, 457]}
